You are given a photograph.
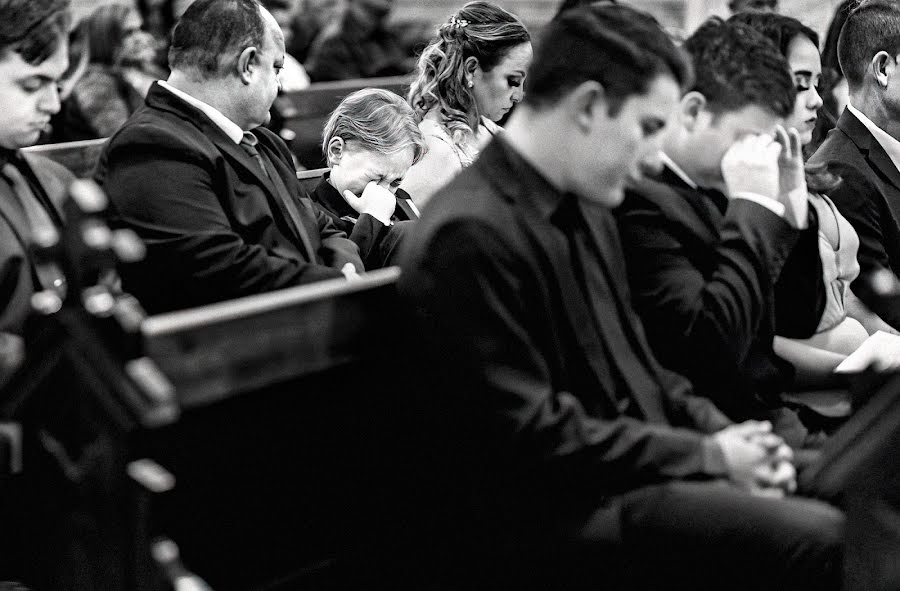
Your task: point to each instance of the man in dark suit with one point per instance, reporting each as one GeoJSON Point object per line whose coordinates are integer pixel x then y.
{"type": "Point", "coordinates": [553, 436]}
{"type": "Point", "coordinates": [215, 196]}
{"type": "Point", "coordinates": [33, 57]}
{"type": "Point", "coordinates": [863, 149]}
{"type": "Point", "coordinates": [710, 249]}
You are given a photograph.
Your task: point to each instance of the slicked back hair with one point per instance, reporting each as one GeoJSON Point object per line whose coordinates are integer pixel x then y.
{"type": "Point", "coordinates": [33, 28]}
{"type": "Point", "coordinates": [623, 49]}
{"type": "Point", "coordinates": [736, 67]}
{"type": "Point", "coordinates": [211, 34]}
{"type": "Point", "coordinates": [871, 27]}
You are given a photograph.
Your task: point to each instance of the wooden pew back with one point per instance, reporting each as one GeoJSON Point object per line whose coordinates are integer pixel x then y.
{"type": "Point", "coordinates": [284, 398]}
{"type": "Point", "coordinates": [80, 157]}
{"type": "Point", "coordinates": [307, 111]}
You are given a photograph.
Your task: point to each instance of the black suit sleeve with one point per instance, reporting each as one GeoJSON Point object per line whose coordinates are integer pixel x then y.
{"type": "Point", "coordinates": [698, 319]}
{"type": "Point", "coordinates": [858, 200]}
{"type": "Point", "coordinates": [471, 291]}
{"type": "Point", "coordinates": [337, 249]}
{"type": "Point", "coordinates": [800, 290]}
{"type": "Point", "coordinates": [170, 199]}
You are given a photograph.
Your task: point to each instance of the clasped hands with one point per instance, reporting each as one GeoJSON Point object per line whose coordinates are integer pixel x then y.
{"type": "Point", "coordinates": [758, 460]}
{"type": "Point", "coordinates": [772, 168]}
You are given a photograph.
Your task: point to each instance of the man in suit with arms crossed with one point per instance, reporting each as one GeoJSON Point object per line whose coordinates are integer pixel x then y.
{"type": "Point", "coordinates": [554, 434]}
{"type": "Point", "coordinates": [864, 149]}
{"type": "Point", "coordinates": [215, 196]}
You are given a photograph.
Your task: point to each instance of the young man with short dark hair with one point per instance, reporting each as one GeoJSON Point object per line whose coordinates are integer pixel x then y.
{"type": "Point", "coordinates": [33, 57]}
{"type": "Point", "coordinates": [717, 262]}
{"type": "Point", "coordinates": [864, 147]}
{"type": "Point", "coordinates": [557, 441]}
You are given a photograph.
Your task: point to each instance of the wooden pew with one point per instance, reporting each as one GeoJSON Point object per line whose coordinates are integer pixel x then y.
{"type": "Point", "coordinates": [306, 111]}
{"type": "Point", "coordinates": [285, 399]}
{"type": "Point", "coordinates": [80, 157]}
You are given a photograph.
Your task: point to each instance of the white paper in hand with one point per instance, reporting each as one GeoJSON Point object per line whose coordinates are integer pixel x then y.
{"type": "Point", "coordinates": [881, 351]}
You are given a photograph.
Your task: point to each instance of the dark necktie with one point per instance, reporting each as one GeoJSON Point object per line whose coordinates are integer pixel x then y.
{"type": "Point", "coordinates": [249, 144]}
{"type": "Point", "coordinates": [638, 385]}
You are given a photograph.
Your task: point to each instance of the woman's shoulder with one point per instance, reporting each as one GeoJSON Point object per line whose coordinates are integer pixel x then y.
{"type": "Point", "coordinates": [431, 126]}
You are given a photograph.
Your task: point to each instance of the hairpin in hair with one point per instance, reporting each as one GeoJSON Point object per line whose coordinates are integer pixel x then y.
{"type": "Point", "coordinates": [457, 22]}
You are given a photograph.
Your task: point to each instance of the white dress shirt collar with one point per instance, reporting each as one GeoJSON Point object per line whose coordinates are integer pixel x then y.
{"type": "Point", "coordinates": [771, 204]}
{"type": "Point", "coordinates": [679, 172]}
{"type": "Point", "coordinates": [887, 141]}
{"type": "Point", "coordinates": [231, 129]}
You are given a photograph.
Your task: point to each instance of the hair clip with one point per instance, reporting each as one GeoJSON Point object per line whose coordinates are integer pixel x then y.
{"type": "Point", "coordinates": [457, 22]}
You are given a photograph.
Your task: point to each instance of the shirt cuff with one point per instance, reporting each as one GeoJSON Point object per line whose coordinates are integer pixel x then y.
{"type": "Point", "coordinates": [772, 205]}
{"type": "Point", "coordinates": [713, 458]}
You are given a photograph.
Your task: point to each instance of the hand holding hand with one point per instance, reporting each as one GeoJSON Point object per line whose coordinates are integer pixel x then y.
{"type": "Point", "coordinates": [375, 201]}
{"type": "Point", "coordinates": [349, 272]}
{"type": "Point", "coordinates": [792, 177]}
{"type": "Point", "coordinates": [751, 166]}
{"type": "Point", "coordinates": [758, 460]}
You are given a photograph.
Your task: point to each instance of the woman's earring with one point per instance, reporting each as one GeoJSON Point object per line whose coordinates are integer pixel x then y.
{"type": "Point", "coordinates": [471, 84]}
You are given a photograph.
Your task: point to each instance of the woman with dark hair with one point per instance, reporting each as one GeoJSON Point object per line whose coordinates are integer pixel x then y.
{"type": "Point", "coordinates": [570, 4]}
{"type": "Point", "coordinates": [468, 78]}
{"type": "Point", "coordinates": [835, 92]}
{"type": "Point", "coordinates": [118, 76]}
{"type": "Point", "coordinates": [845, 324]}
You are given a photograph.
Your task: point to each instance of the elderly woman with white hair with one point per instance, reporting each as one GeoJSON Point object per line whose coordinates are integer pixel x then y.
{"type": "Point", "coordinates": [370, 142]}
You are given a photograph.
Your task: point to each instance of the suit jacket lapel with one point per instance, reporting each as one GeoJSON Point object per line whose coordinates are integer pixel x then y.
{"type": "Point", "coordinates": [706, 219]}
{"type": "Point", "coordinates": [162, 99]}
{"type": "Point", "coordinates": [860, 135]}
{"type": "Point", "coordinates": [874, 153]}
{"type": "Point", "coordinates": [556, 267]}
{"type": "Point", "coordinates": [12, 212]}
{"type": "Point", "coordinates": [605, 234]}
{"type": "Point", "coordinates": [54, 187]}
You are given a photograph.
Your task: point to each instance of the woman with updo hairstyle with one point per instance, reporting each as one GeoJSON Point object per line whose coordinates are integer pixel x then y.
{"type": "Point", "coordinates": [468, 78]}
{"type": "Point", "coordinates": [370, 141]}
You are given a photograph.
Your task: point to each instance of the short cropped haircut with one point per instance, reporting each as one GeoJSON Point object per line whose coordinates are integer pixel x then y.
{"type": "Point", "coordinates": [621, 48]}
{"type": "Point", "coordinates": [736, 66]}
{"type": "Point", "coordinates": [378, 120]}
{"type": "Point", "coordinates": [211, 34]}
{"type": "Point", "coordinates": [872, 27]}
{"type": "Point", "coordinates": [33, 28]}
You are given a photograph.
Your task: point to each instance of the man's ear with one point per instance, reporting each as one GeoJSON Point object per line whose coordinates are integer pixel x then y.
{"type": "Point", "coordinates": [690, 108]}
{"type": "Point", "coordinates": [883, 66]}
{"type": "Point", "coordinates": [586, 103]}
{"type": "Point", "coordinates": [246, 63]}
{"type": "Point", "coordinates": [335, 151]}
